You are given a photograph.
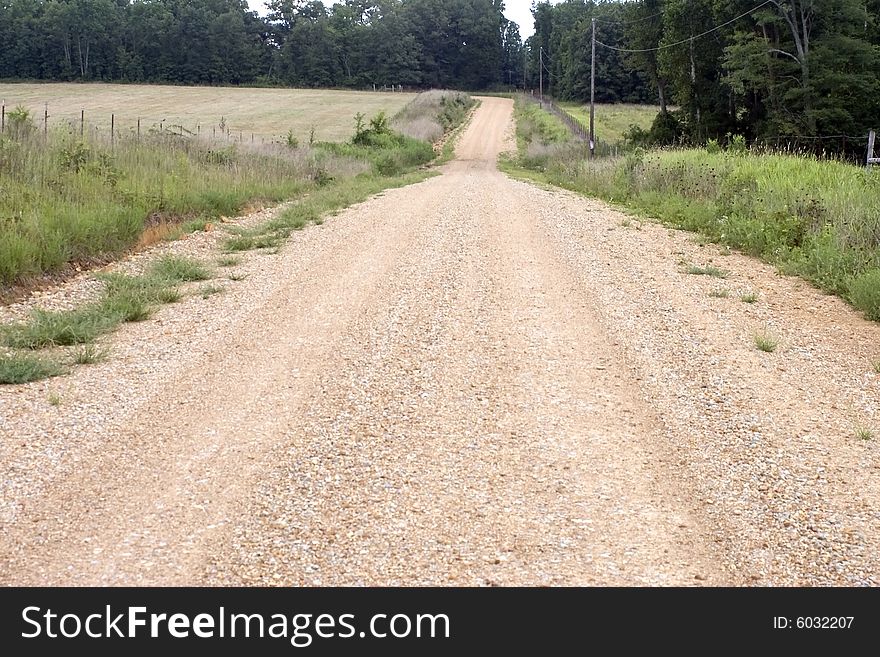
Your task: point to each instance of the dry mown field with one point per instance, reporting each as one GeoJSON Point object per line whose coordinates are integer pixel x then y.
{"type": "Point", "coordinates": [263, 112]}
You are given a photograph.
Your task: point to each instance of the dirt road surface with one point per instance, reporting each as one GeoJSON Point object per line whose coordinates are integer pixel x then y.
{"type": "Point", "coordinates": [468, 381]}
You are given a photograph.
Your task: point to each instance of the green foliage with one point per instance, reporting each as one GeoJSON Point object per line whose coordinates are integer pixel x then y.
{"type": "Point", "coordinates": [74, 156]}
{"type": "Point", "coordinates": [179, 269]}
{"type": "Point", "coordinates": [766, 342]}
{"type": "Point", "coordinates": [60, 328]}
{"type": "Point", "coordinates": [24, 368]}
{"type": "Point", "coordinates": [708, 270]}
{"type": "Point", "coordinates": [65, 200]}
{"type": "Point", "coordinates": [20, 123]}
{"type": "Point", "coordinates": [864, 292]}
{"type": "Point", "coordinates": [292, 140]}
{"type": "Point", "coordinates": [812, 218]}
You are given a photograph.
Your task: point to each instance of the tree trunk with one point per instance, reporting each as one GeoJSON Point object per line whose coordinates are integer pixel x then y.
{"type": "Point", "coordinates": [661, 94]}
{"type": "Point", "coordinates": [696, 99]}
{"type": "Point", "coordinates": [82, 70]}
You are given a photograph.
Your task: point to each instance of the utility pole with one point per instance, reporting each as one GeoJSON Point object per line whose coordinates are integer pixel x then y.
{"type": "Point", "coordinates": [541, 77]}
{"type": "Point", "coordinates": [593, 93]}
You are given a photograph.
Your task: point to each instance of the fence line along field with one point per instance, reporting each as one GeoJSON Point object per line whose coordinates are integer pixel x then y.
{"type": "Point", "coordinates": [266, 113]}
{"type": "Point", "coordinates": [613, 119]}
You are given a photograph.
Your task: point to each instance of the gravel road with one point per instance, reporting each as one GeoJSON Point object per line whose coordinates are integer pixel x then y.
{"type": "Point", "coordinates": [468, 381]}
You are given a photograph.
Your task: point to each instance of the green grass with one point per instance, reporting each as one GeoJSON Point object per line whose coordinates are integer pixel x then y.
{"type": "Point", "coordinates": [748, 297]}
{"type": "Point", "coordinates": [60, 328]}
{"type": "Point", "coordinates": [719, 294]}
{"type": "Point", "coordinates": [67, 200]}
{"type": "Point", "coordinates": [309, 210]}
{"type": "Point", "coordinates": [383, 160]}
{"type": "Point", "coordinates": [228, 261]}
{"type": "Point", "coordinates": [766, 342]}
{"type": "Point", "coordinates": [864, 433]}
{"type": "Point", "coordinates": [708, 270]}
{"type": "Point", "coordinates": [612, 120]}
{"type": "Point", "coordinates": [876, 366]}
{"type": "Point", "coordinates": [54, 399]}
{"type": "Point", "coordinates": [24, 368]}
{"type": "Point", "coordinates": [179, 269]}
{"type": "Point", "coordinates": [126, 299]}
{"type": "Point", "coordinates": [813, 218]}
{"type": "Point", "coordinates": [236, 277]}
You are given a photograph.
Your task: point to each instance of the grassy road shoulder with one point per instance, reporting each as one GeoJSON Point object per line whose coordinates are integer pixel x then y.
{"type": "Point", "coordinates": [383, 157]}
{"type": "Point", "coordinates": [817, 219]}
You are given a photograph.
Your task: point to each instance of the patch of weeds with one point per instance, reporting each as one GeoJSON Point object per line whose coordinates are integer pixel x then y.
{"type": "Point", "coordinates": [864, 433]}
{"type": "Point", "coordinates": [180, 269]}
{"type": "Point", "coordinates": [766, 342]}
{"type": "Point", "coordinates": [60, 328]}
{"type": "Point", "coordinates": [24, 368]}
{"type": "Point", "coordinates": [169, 295]}
{"type": "Point", "coordinates": [626, 223]}
{"type": "Point", "coordinates": [210, 290]}
{"type": "Point", "coordinates": [237, 277]}
{"type": "Point", "coordinates": [89, 354]}
{"type": "Point", "coordinates": [748, 297]}
{"type": "Point", "coordinates": [128, 307]}
{"type": "Point", "coordinates": [228, 261]}
{"type": "Point", "coordinates": [54, 399]}
{"type": "Point", "coordinates": [240, 243]}
{"type": "Point", "coordinates": [708, 270]}
{"type": "Point", "coordinates": [719, 294]}
{"type": "Point", "coordinates": [876, 366]}
{"type": "Point", "coordinates": [196, 226]}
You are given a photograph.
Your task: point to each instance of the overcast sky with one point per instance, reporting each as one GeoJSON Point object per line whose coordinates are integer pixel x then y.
{"type": "Point", "coordinates": [518, 11]}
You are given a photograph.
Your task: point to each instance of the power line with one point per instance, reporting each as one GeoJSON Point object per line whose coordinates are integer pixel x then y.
{"type": "Point", "coordinates": [678, 43]}
{"type": "Point", "coordinates": [632, 22]}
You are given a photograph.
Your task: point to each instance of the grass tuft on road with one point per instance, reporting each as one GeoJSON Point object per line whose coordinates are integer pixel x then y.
{"type": "Point", "coordinates": [25, 368]}
{"type": "Point", "coordinates": [766, 342]}
{"type": "Point", "coordinates": [708, 270]}
{"type": "Point", "coordinates": [179, 269]}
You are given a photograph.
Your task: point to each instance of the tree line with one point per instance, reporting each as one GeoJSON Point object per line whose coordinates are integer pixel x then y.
{"type": "Point", "coordinates": [798, 70]}
{"type": "Point", "coordinates": [771, 70]}
{"type": "Point", "coordinates": [357, 43]}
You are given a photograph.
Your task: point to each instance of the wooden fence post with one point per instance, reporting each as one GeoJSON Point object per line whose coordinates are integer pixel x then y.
{"type": "Point", "coordinates": [871, 158]}
{"type": "Point", "coordinates": [3, 117]}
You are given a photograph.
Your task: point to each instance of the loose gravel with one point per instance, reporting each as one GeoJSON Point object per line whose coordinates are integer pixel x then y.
{"type": "Point", "coordinates": [468, 381]}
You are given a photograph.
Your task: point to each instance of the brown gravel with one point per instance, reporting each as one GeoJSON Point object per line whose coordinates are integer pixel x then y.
{"type": "Point", "coordinates": [467, 381]}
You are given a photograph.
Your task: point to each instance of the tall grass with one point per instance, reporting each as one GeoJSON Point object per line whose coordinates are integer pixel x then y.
{"type": "Point", "coordinates": [613, 120]}
{"type": "Point", "coordinates": [431, 114]}
{"type": "Point", "coordinates": [68, 200]}
{"type": "Point", "coordinates": [819, 219]}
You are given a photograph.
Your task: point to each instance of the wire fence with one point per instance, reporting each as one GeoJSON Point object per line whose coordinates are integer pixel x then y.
{"type": "Point", "coordinates": [111, 127]}
{"type": "Point", "coordinates": [578, 129]}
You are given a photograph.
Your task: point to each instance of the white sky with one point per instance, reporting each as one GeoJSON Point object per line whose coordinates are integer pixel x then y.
{"type": "Point", "coordinates": [518, 11]}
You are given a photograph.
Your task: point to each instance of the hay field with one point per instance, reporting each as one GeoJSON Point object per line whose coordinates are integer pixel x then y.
{"type": "Point", "coordinates": [265, 113]}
